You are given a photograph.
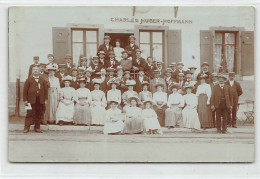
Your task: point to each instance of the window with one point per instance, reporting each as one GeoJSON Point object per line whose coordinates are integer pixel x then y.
{"type": "Point", "coordinates": [224, 52]}
{"type": "Point", "coordinates": [84, 43]}
{"type": "Point", "coordinates": [151, 44]}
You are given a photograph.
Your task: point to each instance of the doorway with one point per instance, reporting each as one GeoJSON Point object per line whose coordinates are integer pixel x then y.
{"type": "Point", "coordinates": [122, 36]}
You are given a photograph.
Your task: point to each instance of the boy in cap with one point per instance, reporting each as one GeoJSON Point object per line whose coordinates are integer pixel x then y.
{"type": "Point", "coordinates": [236, 91]}
{"type": "Point", "coordinates": [106, 47]}
{"type": "Point", "coordinates": [222, 102]}
{"type": "Point", "coordinates": [125, 62]}
{"type": "Point", "coordinates": [205, 70]}
{"type": "Point", "coordinates": [132, 47]}
{"type": "Point", "coordinates": [157, 79]}
{"type": "Point", "coordinates": [35, 63]}
{"type": "Point", "coordinates": [138, 61]}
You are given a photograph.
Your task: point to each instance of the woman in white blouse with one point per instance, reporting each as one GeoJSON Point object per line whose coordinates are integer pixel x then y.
{"type": "Point", "coordinates": [114, 94]}
{"type": "Point", "coordinates": [204, 94]}
{"type": "Point", "coordinates": [189, 113]}
{"type": "Point", "coordinates": [82, 113]}
{"type": "Point", "coordinates": [160, 101]}
{"type": "Point", "coordinates": [118, 50]}
{"type": "Point", "coordinates": [53, 93]}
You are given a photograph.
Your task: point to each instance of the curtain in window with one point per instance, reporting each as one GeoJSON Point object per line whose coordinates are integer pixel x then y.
{"type": "Point", "coordinates": [218, 52]}
{"type": "Point", "coordinates": [230, 50]}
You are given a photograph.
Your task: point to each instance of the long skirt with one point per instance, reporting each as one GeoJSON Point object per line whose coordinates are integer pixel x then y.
{"type": "Point", "coordinates": [152, 124]}
{"type": "Point", "coordinates": [161, 114]}
{"type": "Point", "coordinates": [82, 114]}
{"type": "Point", "coordinates": [98, 114]}
{"type": "Point", "coordinates": [133, 125]}
{"type": "Point", "coordinates": [65, 112]}
{"type": "Point", "coordinates": [204, 112]}
{"type": "Point", "coordinates": [190, 118]}
{"type": "Point", "coordinates": [52, 105]}
{"type": "Point", "coordinates": [173, 116]}
{"type": "Point", "coordinates": [113, 127]}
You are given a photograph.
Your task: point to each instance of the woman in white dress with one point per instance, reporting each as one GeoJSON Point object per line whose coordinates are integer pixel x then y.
{"type": "Point", "coordinates": [114, 123]}
{"type": "Point", "coordinates": [82, 114]}
{"type": "Point", "coordinates": [151, 123]}
{"type": "Point", "coordinates": [118, 50]}
{"type": "Point", "coordinates": [145, 95]}
{"type": "Point", "coordinates": [189, 113]}
{"type": "Point", "coordinates": [65, 110]}
{"type": "Point", "coordinates": [53, 94]}
{"type": "Point", "coordinates": [133, 122]}
{"type": "Point", "coordinates": [114, 94]}
{"type": "Point", "coordinates": [98, 104]}
{"type": "Point", "coordinates": [128, 94]}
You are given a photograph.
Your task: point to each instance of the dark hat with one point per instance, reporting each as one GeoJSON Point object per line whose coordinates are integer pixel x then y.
{"type": "Point", "coordinates": [131, 37]}
{"type": "Point", "coordinates": [158, 63]}
{"type": "Point", "coordinates": [68, 57]}
{"type": "Point", "coordinates": [159, 84]}
{"type": "Point", "coordinates": [124, 51]}
{"type": "Point", "coordinates": [173, 64]}
{"type": "Point", "coordinates": [107, 37]}
{"type": "Point", "coordinates": [36, 57]}
{"type": "Point", "coordinates": [74, 69]}
{"type": "Point", "coordinates": [113, 102]}
{"type": "Point", "coordinates": [42, 65]}
{"type": "Point", "coordinates": [192, 67]}
{"type": "Point", "coordinates": [148, 101]}
{"type": "Point", "coordinates": [188, 72]}
{"type": "Point", "coordinates": [111, 53]}
{"type": "Point", "coordinates": [221, 76]}
{"type": "Point", "coordinates": [138, 50]}
{"type": "Point", "coordinates": [133, 97]}
{"type": "Point", "coordinates": [180, 63]}
{"type": "Point", "coordinates": [174, 85]}
{"type": "Point", "coordinates": [231, 74]}
{"type": "Point", "coordinates": [205, 63]}
{"type": "Point", "coordinates": [50, 55]}
{"type": "Point", "coordinates": [140, 69]}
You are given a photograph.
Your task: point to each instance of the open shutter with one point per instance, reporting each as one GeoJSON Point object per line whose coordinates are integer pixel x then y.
{"type": "Point", "coordinates": [206, 47]}
{"type": "Point", "coordinates": [60, 36]}
{"type": "Point", "coordinates": [247, 53]}
{"type": "Point", "coordinates": [174, 52]}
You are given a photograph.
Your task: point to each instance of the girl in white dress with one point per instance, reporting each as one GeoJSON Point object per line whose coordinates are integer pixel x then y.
{"type": "Point", "coordinates": [98, 104]}
{"type": "Point", "coordinates": [114, 123]}
{"type": "Point", "coordinates": [151, 123]}
{"type": "Point", "coordinates": [65, 110]}
{"type": "Point", "coordinates": [145, 95]}
{"type": "Point", "coordinates": [82, 114]}
{"type": "Point", "coordinates": [189, 113]}
{"type": "Point", "coordinates": [118, 50]}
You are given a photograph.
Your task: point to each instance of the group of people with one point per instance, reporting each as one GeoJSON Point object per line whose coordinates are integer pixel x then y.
{"type": "Point", "coordinates": [128, 94]}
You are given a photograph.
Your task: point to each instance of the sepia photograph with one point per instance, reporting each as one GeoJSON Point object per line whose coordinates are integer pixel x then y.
{"type": "Point", "coordinates": [131, 84]}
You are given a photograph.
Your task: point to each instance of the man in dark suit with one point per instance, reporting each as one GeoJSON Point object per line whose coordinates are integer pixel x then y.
{"type": "Point", "coordinates": [214, 79]}
{"type": "Point", "coordinates": [132, 47]}
{"type": "Point", "coordinates": [139, 80]}
{"type": "Point", "coordinates": [106, 47]}
{"type": "Point", "coordinates": [74, 82]}
{"type": "Point", "coordinates": [168, 79]}
{"type": "Point", "coordinates": [236, 91]}
{"type": "Point", "coordinates": [111, 62]}
{"type": "Point", "coordinates": [88, 77]}
{"type": "Point", "coordinates": [138, 61]}
{"type": "Point", "coordinates": [179, 69]}
{"type": "Point", "coordinates": [69, 64]}
{"type": "Point", "coordinates": [103, 84]}
{"type": "Point", "coordinates": [173, 68]}
{"type": "Point", "coordinates": [35, 92]}
{"type": "Point", "coordinates": [95, 65]}
{"type": "Point", "coordinates": [102, 58]}
{"type": "Point", "coordinates": [61, 74]}
{"type": "Point", "coordinates": [160, 68]}
{"type": "Point", "coordinates": [149, 67]}
{"type": "Point", "coordinates": [205, 70]}
{"type": "Point", "coordinates": [222, 102]}
{"type": "Point", "coordinates": [35, 63]}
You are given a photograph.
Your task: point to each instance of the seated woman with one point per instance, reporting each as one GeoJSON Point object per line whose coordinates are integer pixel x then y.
{"type": "Point", "coordinates": [189, 113]}
{"type": "Point", "coordinates": [65, 110]}
{"type": "Point", "coordinates": [144, 94]}
{"type": "Point", "coordinates": [160, 101]}
{"type": "Point", "coordinates": [175, 102]}
{"type": "Point", "coordinates": [114, 123]}
{"type": "Point", "coordinates": [82, 114]}
{"type": "Point", "coordinates": [98, 104]}
{"type": "Point", "coordinates": [129, 93]}
{"type": "Point", "coordinates": [133, 122]}
{"type": "Point", "coordinates": [151, 123]}
{"type": "Point", "coordinates": [114, 94]}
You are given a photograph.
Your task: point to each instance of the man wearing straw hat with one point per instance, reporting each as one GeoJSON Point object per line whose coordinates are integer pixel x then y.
{"type": "Point", "coordinates": [132, 47]}
{"type": "Point", "coordinates": [106, 47]}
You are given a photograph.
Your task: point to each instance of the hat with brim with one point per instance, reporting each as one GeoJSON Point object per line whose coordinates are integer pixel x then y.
{"type": "Point", "coordinates": [110, 69]}
{"type": "Point", "coordinates": [145, 83]}
{"type": "Point", "coordinates": [127, 72]}
{"type": "Point", "coordinates": [67, 78]}
{"type": "Point", "coordinates": [133, 97]}
{"type": "Point", "coordinates": [187, 72]}
{"type": "Point", "coordinates": [231, 74]}
{"type": "Point", "coordinates": [156, 72]}
{"type": "Point", "coordinates": [96, 81]}
{"type": "Point", "coordinates": [124, 51]}
{"type": "Point", "coordinates": [181, 74]}
{"type": "Point", "coordinates": [95, 58]}
{"type": "Point", "coordinates": [221, 76]}
{"type": "Point", "coordinates": [101, 52]}
{"type": "Point", "coordinates": [130, 83]}
{"type": "Point", "coordinates": [214, 75]}
{"type": "Point", "coordinates": [204, 64]}
{"type": "Point", "coordinates": [113, 81]}
{"type": "Point", "coordinates": [84, 59]}
{"type": "Point", "coordinates": [180, 63]}
{"type": "Point", "coordinates": [192, 68]}
{"type": "Point", "coordinates": [113, 102]}
{"type": "Point", "coordinates": [168, 70]}
{"type": "Point", "coordinates": [81, 80]}
{"type": "Point", "coordinates": [50, 55]}
{"type": "Point", "coordinates": [50, 68]}
{"type": "Point", "coordinates": [174, 85]}
{"type": "Point", "coordinates": [203, 77]}
{"type": "Point", "coordinates": [159, 84]}
{"type": "Point", "coordinates": [36, 57]}
{"type": "Point", "coordinates": [138, 50]}
{"type": "Point", "coordinates": [173, 64]}
{"type": "Point", "coordinates": [131, 37]}
{"type": "Point", "coordinates": [68, 57]}
{"type": "Point", "coordinates": [107, 37]}
{"type": "Point", "coordinates": [81, 69]}
{"type": "Point", "coordinates": [148, 101]}
{"type": "Point", "coordinates": [74, 69]}
{"type": "Point", "coordinates": [62, 65]}
{"type": "Point", "coordinates": [188, 86]}
{"type": "Point", "coordinates": [89, 69]}
{"type": "Point", "coordinates": [119, 68]}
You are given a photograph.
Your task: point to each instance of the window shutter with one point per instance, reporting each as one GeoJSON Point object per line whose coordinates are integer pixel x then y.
{"type": "Point", "coordinates": [206, 47]}
{"type": "Point", "coordinates": [247, 53]}
{"type": "Point", "coordinates": [174, 46]}
{"type": "Point", "coordinates": [60, 36]}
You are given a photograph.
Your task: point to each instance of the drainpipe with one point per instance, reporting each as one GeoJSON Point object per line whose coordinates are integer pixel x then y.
{"type": "Point", "coordinates": [17, 106]}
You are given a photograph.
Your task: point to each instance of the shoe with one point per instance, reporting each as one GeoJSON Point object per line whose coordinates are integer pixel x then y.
{"type": "Point", "coordinates": [234, 126]}
{"type": "Point", "coordinates": [219, 132]}
{"type": "Point", "coordinates": [25, 130]}
{"type": "Point", "coordinates": [229, 125]}
{"type": "Point", "coordinates": [224, 132]}
{"type": "Point", "coordinates": [38, 131]}
{"type": "Point", "coordinates": [44, 123]}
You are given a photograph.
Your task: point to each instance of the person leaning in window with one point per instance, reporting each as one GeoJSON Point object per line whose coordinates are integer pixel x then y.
{"type": "Point", "coordinates": [35, 92]}
{"type": "Point", "coordinates": [160, 101]}
{"type": "Point", "coordinates": [65, 111]}
{"type": "Point", "coordinates": [53, 95]}
{"type": "Point", "coordinates": [175, 104]}
{"type": "Point", "coordinates": [222, 102]}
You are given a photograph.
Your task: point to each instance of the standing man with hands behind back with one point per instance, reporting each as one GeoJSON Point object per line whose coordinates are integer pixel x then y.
{"type": "Point", "coordinates": [35, 92]}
